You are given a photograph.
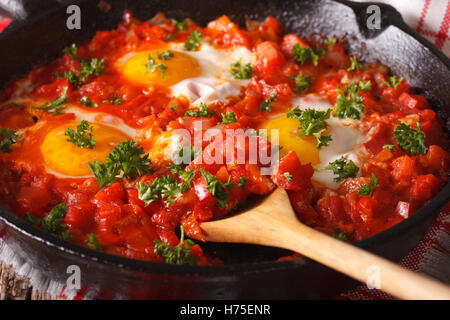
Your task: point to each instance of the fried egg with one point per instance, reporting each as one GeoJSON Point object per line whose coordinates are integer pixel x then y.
{"type": "Point", "coordinates": [64, 159]}
{"type": "Point", "coordinates": [199, 76]}
{"type": "Point", "coordinates": [345, 134]}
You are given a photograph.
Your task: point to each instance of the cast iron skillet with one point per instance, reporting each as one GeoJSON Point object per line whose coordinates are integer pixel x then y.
{"type": "Point", "coordinates": [39, 33]}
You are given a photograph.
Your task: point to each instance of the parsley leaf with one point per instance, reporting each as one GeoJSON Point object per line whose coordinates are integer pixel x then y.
{"type": "Point", "coordinates": [349, 103]}
{"type": "Point", "coordinates": [390, 147]}
{"type": "Point", "coordinates": [52, 223]}
{"type": "Point", "coordinates": [393, 82]}
{"type": "Point", "coordinates": [229, 117]}
{"type": "Point", "coordinates": [368, 189]}
{"type": "Point", "coordinates": [312, 123]}
{"type": "Point", "coordinates": [9, 138]}
{"type": "Point", "coordinates": [342, 169]}
{"type": "Point", "coordinates": [127, 156]}
{"type": "Point", "coordinates": [180, 254]}
{"type": "Point", "coordinates": [105, 175]}
{"type": "Point", "coordinates": [195, 39]}
{"type": "Point", "coordinates": [82, 137]}
{"type": "Point", "coordinates": [88, 67]}
{"type": "Point", "coordinates": [242, 182]}
{"type": "Point", "coordinates": [166, 187]}
{"type": "Point", "coordinates": [152, 66]}
{"type": "Point", "coordinates": [217, 188]}
{"type": "Point", "coordinates": [330, 42]}
{"type": "Point", "coordinates": [365, 85]}
{"type": "Point", "coordinates": [410, 140]}
{"type": "Point", "coordinates": [114, 100]}
{"type": "Point", "coordinates": [265, 106]}
{"type": "Point", "coordinates": [302, 83]}
{"type": "Point", "coordinates": [165, 55]}
{"type": "Point", "coordinates": [241, 71]}
{"type": "Point", "coordinates": [126, 159]}
{"type": "Point", "coordinates": [338, 234]}
{"type": "Point", "coordinates": [288, 176]}
{"type": "Point", "coordinates": [180, 25]}
{"type": "Point", "coordinates": [56, 105]}
{"type": "Point", "coordinates": [355, 64]}
{"type": "Point", "coordinates": [88, 102]}
{"type": "Point", "coordinates": [92, 242]}
{"type": "Point", "coordinates": [202, 111]}
{"type": "Point", "coordinates": [302, 55]}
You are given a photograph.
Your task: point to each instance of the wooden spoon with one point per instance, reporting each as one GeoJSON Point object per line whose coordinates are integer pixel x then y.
{"type": "Point", "coordinates": [274, 223]}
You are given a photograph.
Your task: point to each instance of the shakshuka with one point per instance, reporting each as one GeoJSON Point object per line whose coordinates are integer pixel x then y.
{"type": "Point", "coordinates": [122, 144]}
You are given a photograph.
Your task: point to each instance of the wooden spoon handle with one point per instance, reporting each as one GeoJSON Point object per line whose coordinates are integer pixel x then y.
{"type": "Point", "coordinates": [362, 265]}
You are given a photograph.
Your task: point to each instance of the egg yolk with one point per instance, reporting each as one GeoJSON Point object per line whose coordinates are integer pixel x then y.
{"type": "Point", "coordinates": [305, 148]}
{"type": "Point", "coordinates": [66, 158]}
{"type": "Point", "coordinates": [175, 69]}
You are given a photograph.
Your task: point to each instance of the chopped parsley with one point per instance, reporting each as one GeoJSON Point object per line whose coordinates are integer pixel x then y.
{"type": "Point", "coordinates": [355, 64]}
{"type": "Point", "coordinates": [302, 55]}
{"type": "Point", "coordinates": [82, 137]}
{"type": "Point", "coordinates": [302, 83]}
{"type": "Point", "coordinates": [173, 106]}
{"type": "Point", "coordinates": [180, 25]}
{"type": "Point", "coordinates": [52, 223]}
{"type": "Point", "coordinates": [56, 105]}
{"type": "Point", "coordinates": [152, 66]}
{"type": "Point", "coordinates": [312, 123]}
{"type": "Point", "coordinates": [241, 71]}
{"type": "Point", "coordinates": [180, 254]}
{"type": "Point", "coordinates": [92, 242]}
{"type": "Point", "coordinates": [330, 42]}
{"type": "Point", "coordinates": [229, 117]}
{"type": "Point", "coordinates": [202, 111]}
{"type": "Point", "coordinates": [115, 100]}
{"type": "Point", "coordinates": [410, 140]}
{"type": "Point", "coordinates": [349, 103]}
{"type": "Point", "coordinates": [88, 102]}
{"type": "Point", "coordinates": [390, 147]}
{"type": "Point", "coordinates": [88, 67]}
{"type": "Point", "coordinates": [338, 234]}
{"type": "Point", "coordinates": [242, 182]}
{"type": "Point", "coordinates": [368, 189]}
{"type": "Point", "coordinates": [125, 159]}
{"type": "Point", "coordinates": [217, 188]}
{"type": "Point", "coordinates": [9, 138]}
{"type": "Point", "coordinates": [342, 168]}
{"type": "Point", "coordinates": [393, 82]}
{"type": "Point", "coordinates": [166, 188]}
{"type": "Point", "coordinates": [165, 55]}
{"type": "Point", "coordinates": [288, 176]}
{"type": "Point", "coordinates": [265, 106]}
{"type": "Point", "coordinates": [365, 85]}
{"type": "Point", "coordinates": [195, 39]}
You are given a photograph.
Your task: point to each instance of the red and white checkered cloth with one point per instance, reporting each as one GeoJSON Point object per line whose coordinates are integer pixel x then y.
{"type": "Point", "coordinates": [431, 18]}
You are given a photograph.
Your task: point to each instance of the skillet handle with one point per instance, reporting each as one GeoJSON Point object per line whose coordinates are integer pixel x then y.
{"type": "Point", "coordinates": [23, 9]}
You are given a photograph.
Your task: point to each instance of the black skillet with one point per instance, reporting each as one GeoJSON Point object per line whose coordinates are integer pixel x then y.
{"type": "Point", "coordinates": [37, 36]}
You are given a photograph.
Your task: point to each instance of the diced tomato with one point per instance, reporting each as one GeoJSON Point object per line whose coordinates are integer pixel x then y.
{"type": "Point", "coordinates": [412, 101]}
{"type": "Point", "coordinates": [404, 209]}
{"type": "Point", "coordinates": [331, 210]}
{"type": "Point", "coordinates": [270, 61]}
{"type": "Point", "coordinates": [367, 207]}
{"type": "Point", "coordinates": [424, 188]}
{"type": "Point", "coordinates": [80, 215]}
{"type": "Point", "coordinates": [33, 199]}
{"type": "Point", "coordinates": [227, 32]}
{"type": "Point", "coordinates": [202, 213]}
{"type": "Point", "coordinates": [404, 168]}
{"type": "Point", "coordinates": [290, 174]}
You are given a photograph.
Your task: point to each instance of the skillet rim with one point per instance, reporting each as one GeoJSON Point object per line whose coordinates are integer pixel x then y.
{"type": "Point", "coordinates": [92, 256]}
